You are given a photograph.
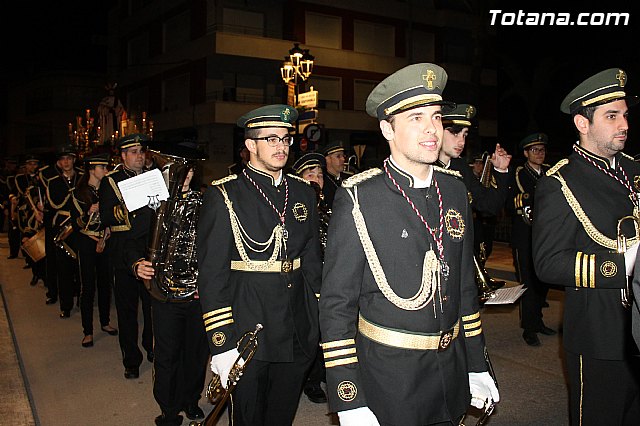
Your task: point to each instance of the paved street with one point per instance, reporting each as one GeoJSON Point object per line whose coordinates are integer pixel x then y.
{"type": "Point", "coordinates": [48, 379]}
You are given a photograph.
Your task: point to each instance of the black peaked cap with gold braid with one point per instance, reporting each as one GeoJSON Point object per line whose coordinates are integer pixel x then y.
{"type": "Point", "coordinates": [269, 116]}
{"type": "Point", "coordinates": [461, 115]}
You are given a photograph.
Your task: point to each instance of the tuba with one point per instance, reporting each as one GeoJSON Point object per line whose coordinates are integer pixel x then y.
{"type": "Point", "coordinates": [172, 239]}
{"type": "Point", "coordinates": [621, 247]}
{"type": "Point", "coordinates": [216, 393]}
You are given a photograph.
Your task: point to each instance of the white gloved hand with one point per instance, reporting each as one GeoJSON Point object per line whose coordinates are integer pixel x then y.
{"type": "Point", "coordinates": [483, 389]}
{"type": "Point", "coordinates": [630, 259]}
{"type": "Point", "coordinates": [361, 416]}
{"type": "Point", "coordinates": [221, 364]}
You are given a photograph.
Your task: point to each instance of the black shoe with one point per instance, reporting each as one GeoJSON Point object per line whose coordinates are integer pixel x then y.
{"type": "Point", "coordinates": [51, 300]}
{"type": "Point", "coordinates": [150, 356]}
{"type": "Point", "coordinates": [26, 267]}
{"type": "Point", "coordinates": [109, 330]}
{"type": "Point", "coordinates": [495, 284]}
{"type": "Point", "coordinates": [87, 342]}
{"type": "Point", "coordinates": [547, 331]}
{"type": "Point", "coordinates": [168, 420]}
{"type": "Point", "coordinates": [65, 314]}
{"type": "Point", "coordinates": [531, 338]}
{"type": "Point", "coordinates": [34, 281]}
{"type": "Point", "coordinates": [545, 304]}
{"type": "Point", "coordinates": [193, 412]}
{"type": "Point", "coordinates": [131, 373]}
{"type": "Point", "coordinates": [12, 257]}
{"type": "Point", "coordinates": [315, 394]}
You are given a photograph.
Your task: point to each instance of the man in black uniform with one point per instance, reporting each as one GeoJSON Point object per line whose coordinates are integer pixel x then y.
{"type": "Point", "coordinates": [334, 174]}
{"type": "Point", "coordinates": [30, 212]}
{"type": "Point", "coordinates": [520, 206]}
{"type": "Point", "coordinates": [259, 262]}
{"type": "Point", "coordinates": [58, 182]}
{"type": "Point", "coordinates": [577, 210]}
{"type": "Point", "coordinates": [10, 206]}
{"type": "Point", "coordinates": [8, 170]}
{"type": "Point", "coordinates": [399, 315]}
{"type": "Point", "coordinates": [127, 290]}
{"type": "Point", "coordinates": [484, 199]}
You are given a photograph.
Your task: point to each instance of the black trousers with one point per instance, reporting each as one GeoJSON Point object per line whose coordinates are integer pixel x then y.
{"type": "Point", "coordinates": [52, 270]}
{"type": "Point", "coordinates": [317, 373]}
{"type": "Point", "coordinates": [603, 392]}
{"type": "Point", "coordinates": [14, 239]}
{"type": "Point", "coordinates": [181, 354]}
{"type": "Point", "coordinates": [532, 300]}
{"type": "Point", "coordinates": [94, 274]}
{"type": "Point", "coordinates": [128, 292]}
{"type": "Point", "coordinates": [269, 392]}
{"type": "Point", "coordinates": [68, 274]}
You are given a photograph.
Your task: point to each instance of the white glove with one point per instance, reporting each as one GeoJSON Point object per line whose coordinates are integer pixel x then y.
{"type": "Point", "coordinates": [483, 389]}
{"type": "Point", "coordinates": [221, 364]}
{"type": "Point", "coordinates": [362, 416]}
{"type": "Point", "coordinates": [630, 259]}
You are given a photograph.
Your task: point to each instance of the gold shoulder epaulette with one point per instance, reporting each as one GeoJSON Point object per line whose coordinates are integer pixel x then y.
{"type": "Point", "coordinates": [224, 180]}
{"type": "Point", "coordinates": [112, 172]}
{"type": "Point", "coordinates": [557, 167]}
{"type": "Point", "coordinates": [447, 171]}
{"type": "Point", "coordinates": [298, 178]}
{"type": "Point", "coordinates": [360, 177]}
{"type": "Point", "coordinates": [627, 156]}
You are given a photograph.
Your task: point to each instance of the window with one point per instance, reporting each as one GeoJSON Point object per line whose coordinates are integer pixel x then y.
{"type": "Point", "coordinates": [329, 91]}
{"type": "Point", "coordinates": [369, 37]}
{"type": "Point", "coordinates": [361, 90]}
{"type": "Point", "coordinates": [176, 93]}
{"type": "Point", "coordinates": [177, 31]}
{"type": "Point", "coordinates": [323, 30]}
{"type": "Point", "coordinates": [138, 50]}
{"type": "Point", "coordinates": [242, 22]}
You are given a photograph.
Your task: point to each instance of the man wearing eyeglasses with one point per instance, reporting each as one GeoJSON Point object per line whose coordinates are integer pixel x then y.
{"type": "Point", "coordinates": [260, 263]}
{"type": "Point", "coordinates": [520, 205]}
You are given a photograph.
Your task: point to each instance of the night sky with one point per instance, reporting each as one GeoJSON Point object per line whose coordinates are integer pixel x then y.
{"type": "Point", "coordinates": [539, 66]}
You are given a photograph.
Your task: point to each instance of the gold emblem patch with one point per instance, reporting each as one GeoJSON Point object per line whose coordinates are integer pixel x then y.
{"type": "Point", "coordinates": [608, 269]}
{"type": "Point", "coordinates": [218, 338]}
{"type": "Point", "coordinates": [347, 391]}
{"type": "Point", "coordinates": [285, 115]}
{"type": "Point", "coordinates": [429, 77]}
{"type": "Point", "coordinates": [622, 78]}
{"type": "Point", "coordinates": [470, 110]}
{"type": "Point", "coordinates": [300, 212]}
{"type": "Point", "coordinates": [455, 224]}
{"type": "Point", "coordinates": [636, 183]}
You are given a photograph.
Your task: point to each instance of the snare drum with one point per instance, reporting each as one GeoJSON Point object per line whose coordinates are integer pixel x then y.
{"type": "Point", "coordinates": [34, 246]}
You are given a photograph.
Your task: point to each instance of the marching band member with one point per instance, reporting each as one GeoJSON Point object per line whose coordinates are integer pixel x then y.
{"type": "Point", "coordinates": [93, 261]}
{"type": "Point", "coordinates": [259, 262]}
{"type": "Point", "coordinates": [401, 330]}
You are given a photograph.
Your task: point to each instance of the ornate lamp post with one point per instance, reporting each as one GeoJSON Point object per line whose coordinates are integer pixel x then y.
{"type": "Point", "coordinates": [296, 68]}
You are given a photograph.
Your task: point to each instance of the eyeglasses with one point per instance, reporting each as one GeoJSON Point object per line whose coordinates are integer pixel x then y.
{"type": "Point", "coordinates": [273, 141]}
{"type": "Point", "coordinates": [537, 150]}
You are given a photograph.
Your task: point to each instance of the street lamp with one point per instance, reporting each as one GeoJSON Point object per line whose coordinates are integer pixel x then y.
{"type": "Point", "coordinates": [296, 68]}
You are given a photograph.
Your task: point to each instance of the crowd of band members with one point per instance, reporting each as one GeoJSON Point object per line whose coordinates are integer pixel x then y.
{"type": "Point", "coordinates": [106, 251]}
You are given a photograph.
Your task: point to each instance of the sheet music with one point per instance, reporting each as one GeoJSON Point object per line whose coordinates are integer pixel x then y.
{"type": "Point", "coordinates": [143, 189]}
{"type": "Point", "coordinates": [506, 295]}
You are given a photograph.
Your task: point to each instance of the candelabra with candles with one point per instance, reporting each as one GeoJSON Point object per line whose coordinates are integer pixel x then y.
{"type": "Point", "coordinates": [85, 136]}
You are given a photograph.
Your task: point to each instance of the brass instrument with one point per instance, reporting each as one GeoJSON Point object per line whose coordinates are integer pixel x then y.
{"type": "Point", "coordinates": [171, 248]}
{"type": "Point", "coordinates": [66, 229]}
{"type": "Point", "coordinates": [216, 393]}
{"type": "Point", "coordinates": [485, 177]}
{"type": "Point", "coordinates": [485, 292]}
{"type": "Point", "coordinates": [621, 247]}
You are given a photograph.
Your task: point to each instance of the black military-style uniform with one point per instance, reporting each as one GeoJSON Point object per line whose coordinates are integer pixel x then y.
{"type": "Point", "coordinates": [180, 344]}
{"type": "Point", "coordinates": [575, 215]}
{"type": "Point", "coordinates": [94, 266]}
{"type": "Point", "coordinates": [331, 185]}
{"type": "Point", "coordinates": [520, 206]}
{"type": "Point", "coordinates": [13, 230]}
{"type": "Point", "coordinates": [127, 289]}
{"type": "Point", "coordinates": [364, 366]}
{"type": "Point", "coordinates": [61, 262]}
{"type": "Point", "coordinates": [235, 297]}
{"type": "Point", "coordinates": [27, 188]}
